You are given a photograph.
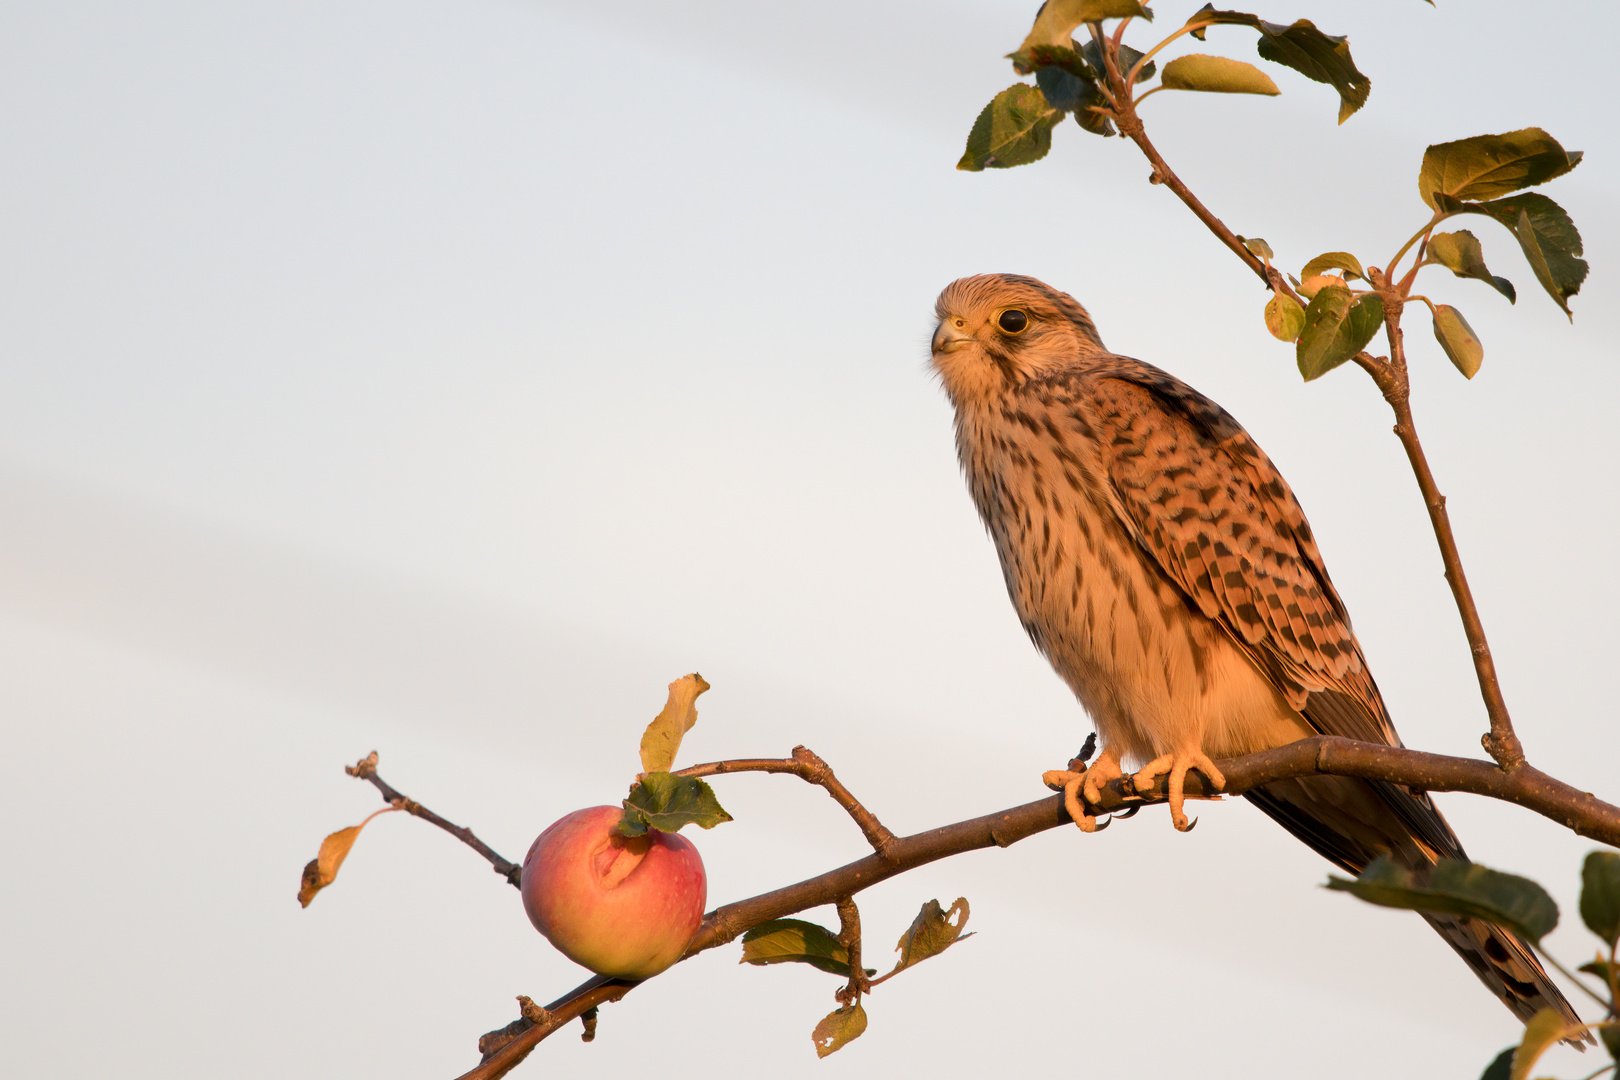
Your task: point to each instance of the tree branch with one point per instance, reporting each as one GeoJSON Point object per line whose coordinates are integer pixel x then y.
{"type": "Point", "coordinates": [1130, 126]}
{"type": "Point", "coordinates": [1579, 811]}
{"type": "Point", "coordinates": [807, 766]}
{"type": "Point", "coordinates": [366, 769]}
{"type": "Point", "coordinates": [1391, 377]}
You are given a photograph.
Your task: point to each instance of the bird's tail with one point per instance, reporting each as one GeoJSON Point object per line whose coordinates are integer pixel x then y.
{"type": "Point", "coordinates": [1350, 822]}
{"type": "Point", "coordinates": [1504, 963]}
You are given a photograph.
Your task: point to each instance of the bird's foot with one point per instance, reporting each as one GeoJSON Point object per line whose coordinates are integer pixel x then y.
{"type": "Point", "coordinates": [1177, 765]}
{"type": "Point", "coordinates": [1083, 786]}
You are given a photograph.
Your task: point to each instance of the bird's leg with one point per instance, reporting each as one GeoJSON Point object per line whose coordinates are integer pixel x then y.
{"type": "Point", "coordinates": [1177, 765]}
{"type": "Point", "coordinates": [1083, 786]}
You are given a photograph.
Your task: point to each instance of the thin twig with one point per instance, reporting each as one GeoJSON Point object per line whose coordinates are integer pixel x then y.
{"type": "Point", "coordinates": [849, 936]}
{"type": "Point", "coordinates": [366, 769]}
{"type": "Point", "coordinates": [807, 766]}
{"type": "Point", "coordinates": [1393, 382]}
{"type": "Point", "coordinates": [1130, 125]}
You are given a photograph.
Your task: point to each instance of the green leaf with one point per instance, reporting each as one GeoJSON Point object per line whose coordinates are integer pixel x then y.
{"type": "Point", "coordinates": [1216, 75]}
{"type": "Point", "coordinates": [1546, 235]}
{"type": "Point", "coordinates": [1486, 166]}
{"type": "Point", "coordinates": [666, 802]}
{"type": "Point", "coordinates": [1598, 967]}
{"type": "Point", "coordinates": [1336, 328]}
{"type": "Point", "coordinates": [1334, 260]}
{"type": "Point", "coordinates": [1257, 247]}
{"type": "Point", "coordinates": [1544, 1029]}
{"type": "Point", "coordinates": [1014, 129]}
{"type": "Point", "coordinates": [1458, 340]}
{"type": "Point", "coordinates": [1600, 895]}
{"type": "Point", "coordinates": [839, 1028]}
{"type": "Point", "coordinates": [1460, 253]}
{"type": "Point", "coordinates": [1062, 56]}
{"type": "Point", "coordinates": [1069, 83]}
{"type": "Point", "coordinates": [1501, 1067]}
{"type": "Point", "coordinates": [1456, 887]}
{"type": "Point", "coordinates": [1284, 317]}
{"type": "Point", "coordinates": [931, 933]}
{"type": "Point", "coordinates": [1610, 1034]}
{"type": "Point", "coordinates": [794, 941]}
{"type": "Point", "coordinates": [1301, 46]}
{"type": "Point", "coordinates": [1126, 60]}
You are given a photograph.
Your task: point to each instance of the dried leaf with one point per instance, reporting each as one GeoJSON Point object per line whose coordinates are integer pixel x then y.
{"type": "Point", "coordinates": [1216, 75]}
{"type": "Point", "coordinates": [662, 739]}
{"type": "Point", "coordinates": [931, 933]}
{"type": "Point", "coordinates": [322, 870]}
{"type": "Point", "coordinates": [838, 1028]}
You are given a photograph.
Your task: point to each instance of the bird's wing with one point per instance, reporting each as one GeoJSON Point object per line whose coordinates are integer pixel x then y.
{"type": "Point", "coordinates": [1213, 512]}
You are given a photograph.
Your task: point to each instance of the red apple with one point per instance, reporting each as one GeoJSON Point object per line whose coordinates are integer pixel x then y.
{"type": "Point", "coordinates": [621, 906]}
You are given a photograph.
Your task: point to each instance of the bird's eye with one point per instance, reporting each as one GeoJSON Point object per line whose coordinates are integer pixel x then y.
{"type": "Point", "coordinates": [1013, 321]}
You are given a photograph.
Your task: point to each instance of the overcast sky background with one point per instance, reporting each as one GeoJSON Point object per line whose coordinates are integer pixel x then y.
{"type": "Point", "coordinates": [446, 378]}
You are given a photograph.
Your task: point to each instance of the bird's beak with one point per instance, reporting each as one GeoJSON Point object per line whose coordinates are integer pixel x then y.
{"type": "Point", "coordinates": [950, 336]}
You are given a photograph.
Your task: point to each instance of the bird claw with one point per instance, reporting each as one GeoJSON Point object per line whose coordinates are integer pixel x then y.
{"type": "Point", "coordinates": [1177, 766]}
{"type": "Point", "coordinates": [1070, 782]}
{"type": "Point", "coordinates": [1082, 787]}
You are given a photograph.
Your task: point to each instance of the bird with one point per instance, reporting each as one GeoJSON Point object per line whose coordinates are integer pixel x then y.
{"type": "Point", "coordinates": [1163, 566]}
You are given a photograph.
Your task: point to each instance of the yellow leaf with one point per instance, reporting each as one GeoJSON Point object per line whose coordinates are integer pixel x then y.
{"type": "Point", "coordinates": [322, 870]}
{"type": "Point", "coordinates": [662, 738]}
{"type": "Point", "coordinates": [1544, 1029]}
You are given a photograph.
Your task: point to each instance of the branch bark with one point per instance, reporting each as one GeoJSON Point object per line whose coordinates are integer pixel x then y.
{"type": "Point", "coordinates": [1579, 811]}
{"type": "Point", "coordinates": [1391, 377]}
{"type": "Point", "coordinates": [366, 769]}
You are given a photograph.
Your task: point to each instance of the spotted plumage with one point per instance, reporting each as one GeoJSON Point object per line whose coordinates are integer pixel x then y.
{"type": "Point", "coordinates": [1161, 563]}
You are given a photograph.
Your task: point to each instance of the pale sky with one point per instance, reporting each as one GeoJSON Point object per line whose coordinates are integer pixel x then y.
{"type": "Point", "coordinates": [444, 379]}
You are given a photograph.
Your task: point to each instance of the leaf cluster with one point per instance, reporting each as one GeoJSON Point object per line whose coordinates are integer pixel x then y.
{"type": "Point", "coordinates": [783, 941]}
{"type": "Point", "coordinates": [1468, 176]}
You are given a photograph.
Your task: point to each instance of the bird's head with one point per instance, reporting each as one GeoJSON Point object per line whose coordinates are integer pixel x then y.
{"type": "Point", "coordinates": [997, 331]}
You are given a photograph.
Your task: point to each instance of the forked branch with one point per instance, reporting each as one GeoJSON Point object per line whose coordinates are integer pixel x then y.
{"type": "Point", "coordinates": [1526, 786]}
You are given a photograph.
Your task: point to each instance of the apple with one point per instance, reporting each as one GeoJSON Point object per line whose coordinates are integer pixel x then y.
{"type": "Point", "coordinates": [621, 906]}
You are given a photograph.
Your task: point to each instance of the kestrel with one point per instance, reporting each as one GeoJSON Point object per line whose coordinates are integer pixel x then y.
{"type": "Point", "coordinates": [1161, 563]}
